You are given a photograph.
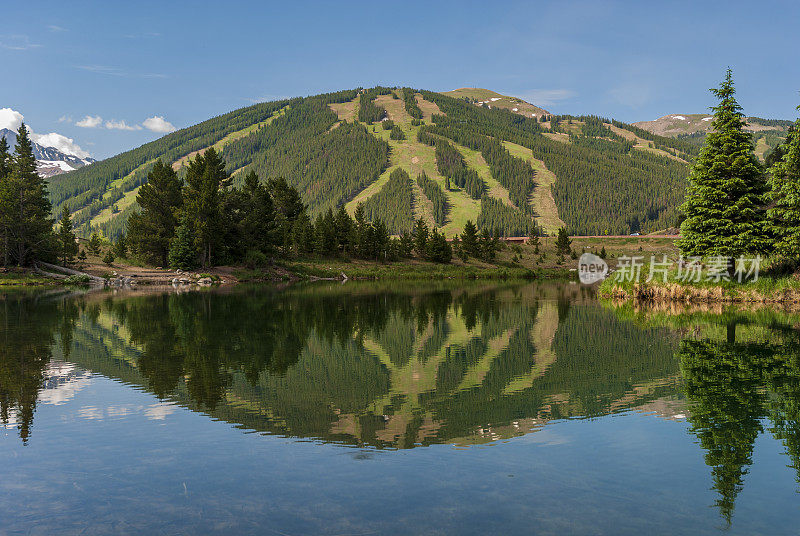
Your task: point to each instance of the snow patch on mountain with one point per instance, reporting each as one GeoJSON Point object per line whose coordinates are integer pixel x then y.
{"type": "Point", "coordinates": [54, 153]}
{"type": "Point", "coordinates": [56, 163]}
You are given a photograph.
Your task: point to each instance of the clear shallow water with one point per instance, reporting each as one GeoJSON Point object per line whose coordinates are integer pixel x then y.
{"type": "Point", "coordinates": [391, 409]}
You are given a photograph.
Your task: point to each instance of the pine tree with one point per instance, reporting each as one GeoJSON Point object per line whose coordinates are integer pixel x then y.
{"type": "Point", "coordinates": [5, 159]}
{"type": "Point", "coordinates": [784, 214]}
{"type": "Point", "coordinates": [344, 230]}
{"type": "Point", "coordinates": [302, 234]}
{"type": "Point", "coordinates": [469, 239]}
{"type": "Point", "coordinates": [406, 245]}
{"type": "Point", "coordinates": [121, 247]}
{"type": "Point", "coordinates": [455, 244]}
{"type": "Point", "coordinates": [183, 251]}
{"type": "Point", "coordinates": [5, 171]}
{"type": "Point", "coordinates": [202, 205]}
{"type": "Point", "coordinates": [563, 243]}
{"type": "Point", "coordinates": [257, 225]}
{"type": "Point", "coordinates": [151, 230]}
{"type": "Point", "coordinates": [725, 198]}
{"type": "Point", "coordinates": [534, 241]}
{"type": "Point", "coordinates": [288, 207]}
{"type": "Point", "coordinates": [420, 233]}
{"type": "Point", "coordinates": [108, 258]}
{"type": "Point", "coordinates": [380, 240]}
{"type": "Point", "coordinates": [361, 230]}
{"type": "Point", "coordinates": [95, 243]}
{"type": "Point", "coordinates": [437, 249]}
{"type": "Point", "coordinates": [487, 245]}
{"type": "Point", "coordinates": [67, 246]}
{"type": "Point", "coordinates": [325, 233]}
{"type": "Point", "coordinates": [23, 200]}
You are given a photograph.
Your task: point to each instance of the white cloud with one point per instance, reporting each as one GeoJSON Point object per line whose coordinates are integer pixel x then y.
{"type": "Point", "coordinates": [17, 42]}
{"type": "Point", "coordinates": [56, 28]}
{"type": "Point", "coordinates": [10, 119]}
{"type": "Point", "coordinates": [547, 97]}
{"type": "Point", "coordinates": [60, 142]}
{"type": "Point", "coordinates": [158, 124]}
{"type": "Point", "coordinates": [121, 125]}
{"type": "Point", "coordinates": [65, 119]}
{"type": "Point", "coordinates": [90, 122]}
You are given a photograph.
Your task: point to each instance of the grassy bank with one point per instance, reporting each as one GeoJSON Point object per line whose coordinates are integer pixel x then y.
{"type": "Point", "coordinates": [768, 289]}
{"type": "Point", "coordinates": [513, 261]}
{"type": "Point", "coordinates": [404, 270]}
{"type": "Point", "coordinates": [25, 278]}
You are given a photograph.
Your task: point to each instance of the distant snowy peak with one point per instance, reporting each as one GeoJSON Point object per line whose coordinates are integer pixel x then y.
{"type": "Point", "coordinates": [51, 153]}
{"type": "Point", "coordinates": [49, 160]}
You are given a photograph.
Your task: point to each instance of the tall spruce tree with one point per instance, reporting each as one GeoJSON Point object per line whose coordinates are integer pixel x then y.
{"type": "Point", "coordinates": [23, 200]}
{"type": "Point", "coordinates": [67, 246]}
{"type": "Point", "coordinates": [469, 239]}
{"type": "Point", "coordinates": [288, 207]}
{"type": "Point", "coordinates": [120, 247]}
{"type": "Point", "coordinates": [437, 248]}
{"type": "Point", "coordinates": [202, 205]}
{"type": "Point", "coordinates": [258, 229]}
{"type": "Point", "coordinates": [5, 158]}
{"type": "Point", "coordinates": [5, 171]}
{"type": "Point", "coordinates": [420, 233]}
{"type": "Point", "coordinates": [563, 243]}
{"type": "Point", "coordinates": [784, 214]}
{"type": "Point", "coordinates": [151, 230]}
{"type": "Point", "coordinates": [326, 241]}
{"type": "Point", "coordinates": [182, 251]}
{"type": "Point", "coordinates": [724, 207]}
{"type": "Point", "coordinates": [344, 229]}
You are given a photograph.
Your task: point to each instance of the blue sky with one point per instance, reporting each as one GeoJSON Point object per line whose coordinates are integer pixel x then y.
{"type": "Point", "coordinates": [178, 63]}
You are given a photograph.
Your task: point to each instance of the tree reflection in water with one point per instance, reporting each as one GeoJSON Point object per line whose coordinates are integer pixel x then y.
{"type": "Point", "coordinates": [735, 386]}
{"type": "Point", "coordinates": [28, 325]}
{"type": "Point", "coordinates": [394, 367]}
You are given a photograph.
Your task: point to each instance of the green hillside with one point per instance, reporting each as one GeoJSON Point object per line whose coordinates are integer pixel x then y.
{"type": "Point", "coordinates": [692, 128]}
{"type": "Point", "coordinates": [496, 100]}
{"type": "Point", "coordinates": [503, 168]}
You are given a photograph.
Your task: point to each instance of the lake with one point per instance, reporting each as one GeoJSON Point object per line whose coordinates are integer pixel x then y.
{"type": "Point", "coordinates": [394, 408]}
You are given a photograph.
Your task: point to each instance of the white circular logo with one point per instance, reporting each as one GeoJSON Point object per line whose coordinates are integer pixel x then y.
{"type": "Point", "coordinates": [591, 268]}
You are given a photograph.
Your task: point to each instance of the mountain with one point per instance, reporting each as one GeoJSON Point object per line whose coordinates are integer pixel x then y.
{"type": "Point", "coordinates": [767, 133]}
{"type": "Point", "coordinates": [49, 160]}
{"type": "Point", "coordinates": [681, 124]}
{"type": "Point", "coordinates": [492, 99]}
{"type": "Point", "coordinates": [409, 154]}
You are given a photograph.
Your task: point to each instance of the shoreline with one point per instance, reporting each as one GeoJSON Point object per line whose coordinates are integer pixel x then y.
{"type": "Point", "coordinates": [290, 272]}
{"type": "Point", "coordinates": [767, 290]}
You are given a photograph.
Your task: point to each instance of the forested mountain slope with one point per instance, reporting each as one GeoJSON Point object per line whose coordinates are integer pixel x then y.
{"type": "Point", "coordinates": [462, 159]}
{"type": "Point", "coordinates": [767, 133]}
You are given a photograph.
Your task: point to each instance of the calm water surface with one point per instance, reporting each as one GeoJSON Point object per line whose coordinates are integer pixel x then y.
{"type": "Point", "coordinates": [394, 409]}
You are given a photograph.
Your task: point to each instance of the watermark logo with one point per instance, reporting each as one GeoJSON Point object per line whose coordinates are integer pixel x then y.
{"type": "Point", "coordinates": [636, 269]}
{"type": "Point", "coordinates": [591, 268]}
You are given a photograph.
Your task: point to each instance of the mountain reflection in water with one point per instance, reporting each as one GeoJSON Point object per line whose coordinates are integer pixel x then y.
{"type": "Point", "coordinates": [399, 367]}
